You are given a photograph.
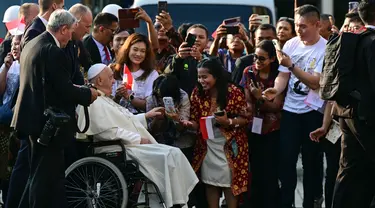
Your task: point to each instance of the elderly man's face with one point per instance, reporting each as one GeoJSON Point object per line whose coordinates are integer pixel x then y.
{"type": "Point", "coordinates": [83, 26]}
{"type": "Point", "coordinates": [105, 81]}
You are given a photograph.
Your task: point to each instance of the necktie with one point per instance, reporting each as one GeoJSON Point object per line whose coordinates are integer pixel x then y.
{"type": "Point", "coordinates": [107, 57]}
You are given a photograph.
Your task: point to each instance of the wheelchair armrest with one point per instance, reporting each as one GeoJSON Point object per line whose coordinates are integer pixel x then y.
{"type": "Point", "coordinates": [94, 145]}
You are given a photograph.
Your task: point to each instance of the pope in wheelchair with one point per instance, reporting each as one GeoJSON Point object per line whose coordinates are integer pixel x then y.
{"type": "Point", "coordinates": [165, 166]}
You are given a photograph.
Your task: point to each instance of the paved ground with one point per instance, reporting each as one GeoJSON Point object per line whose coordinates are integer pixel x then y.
{"type": "Point", "coordinates": [299, 189]}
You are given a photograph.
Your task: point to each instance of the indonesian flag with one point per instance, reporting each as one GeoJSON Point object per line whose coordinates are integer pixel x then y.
{"type": "Point", "coordinates": [207, 127]}
{"type": "Point", "coordinates": [16, 27]}
{"type": "Point", "coordinates": [127, 78]}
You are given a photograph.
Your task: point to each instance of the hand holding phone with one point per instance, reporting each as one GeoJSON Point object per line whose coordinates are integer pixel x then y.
{"type": "Point", "coordinates": [169, 105]}
{"type": "Point", "coordinates": [276, 44]}
{"type": "Point", "coordinates": [232, 21]}
{"type": "Point", "coordinates": [264, 19]}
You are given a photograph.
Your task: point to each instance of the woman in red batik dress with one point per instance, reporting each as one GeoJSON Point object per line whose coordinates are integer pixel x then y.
{"type": "Point", "coordinates": [222, 159]}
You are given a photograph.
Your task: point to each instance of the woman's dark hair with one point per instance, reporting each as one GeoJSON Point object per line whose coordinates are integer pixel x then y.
{"type": "Point", "coordinates": [120, 30]}
{"type": "Point", "coordinates": [123, 56]}
{"type": "Point", "coordinates": [167, 86]}
{"type": "Point", "coordinates": [267, 46]}
{"type": "Point", "coordinates": [216, 69]}
{"type": "Point", "coordinates": [290, 21]}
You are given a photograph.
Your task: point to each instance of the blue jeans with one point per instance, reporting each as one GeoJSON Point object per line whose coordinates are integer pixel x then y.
{"type": "Point", "coordinates": [294, 138]}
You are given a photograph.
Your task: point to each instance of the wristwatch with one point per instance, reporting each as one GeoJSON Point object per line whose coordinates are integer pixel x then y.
{"type": "Point", "coordinates": [291, 68]}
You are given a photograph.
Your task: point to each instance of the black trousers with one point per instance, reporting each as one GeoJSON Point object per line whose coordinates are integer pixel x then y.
{"type": "Point", "coordinates": [294, 134]}
{"type": "Point", "coordinates": [46, 185]}
{"type": "Point", "coordinates": [355, 184]}
{"type": "Point", "coordinates": [264, 163]}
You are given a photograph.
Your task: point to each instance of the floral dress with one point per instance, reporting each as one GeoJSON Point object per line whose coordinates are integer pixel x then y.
{"type": "Point", "coordinates": [236, 145]}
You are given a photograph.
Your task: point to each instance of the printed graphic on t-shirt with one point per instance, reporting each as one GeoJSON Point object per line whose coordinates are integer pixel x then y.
{"type": "Point", "coordinates": [307, 64]}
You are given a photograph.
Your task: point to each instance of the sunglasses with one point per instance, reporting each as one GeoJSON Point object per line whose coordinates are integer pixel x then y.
{"type": "Point", "coordinates": [286, 19]}
{"type": "Point", "coordinates": [260, 58]}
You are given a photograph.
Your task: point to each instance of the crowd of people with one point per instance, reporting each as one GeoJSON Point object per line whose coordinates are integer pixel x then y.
{"type": "Point", "coordinates": [257, 87]}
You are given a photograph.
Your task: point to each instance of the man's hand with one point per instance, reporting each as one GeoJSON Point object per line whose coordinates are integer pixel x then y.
{"type": "Point", "coordinates": [94, 94]}
{"type": "Point", "coordinates": [317, 134]}
{"type": "Point", "coordinates": [173, 116]}
{"type": "Point", "coordinates": [242, 33]}
{"type": "Point", "coordinates": [155, 112]}
{"type": "Point", "coordinates": [254, 22]}
{"type": "Point", "coordinates": [143, 16]}
{"type": "Point", "coordinates": [145, 141]}
{"type": "Point", "coordinates": [270, 94]}
{"type": "Point", "coordinates": [196, 53]}
{"type": "Point", "coordinates": [184, 51]}
{"type": "Point", "coordinates": [165, 20]}
{"type": "Point", "coordinates": [8, 61]}
{"type": "Point", "coordinates": [284, 59]}
{"type": "Point", "coordinates": [222, 120]}
{"type": "Point", "coordinates": [221, 31]}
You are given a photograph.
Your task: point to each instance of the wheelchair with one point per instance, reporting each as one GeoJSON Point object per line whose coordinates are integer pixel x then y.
{"type": "Point", "coordinates": [107, 180]}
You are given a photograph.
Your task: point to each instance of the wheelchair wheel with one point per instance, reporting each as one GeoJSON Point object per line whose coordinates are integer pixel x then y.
{"type": "Point", "coordinates": [94, 182]}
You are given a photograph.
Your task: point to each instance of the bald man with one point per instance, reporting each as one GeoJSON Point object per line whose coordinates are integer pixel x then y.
{"type": "Point", "coordinates": [109, 121]}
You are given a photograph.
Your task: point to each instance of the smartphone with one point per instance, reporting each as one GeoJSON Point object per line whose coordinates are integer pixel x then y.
{"type": "Point", "coordinates": [190, 39]}
{"type": "Point", "coordinates": [276, 44]}
{"type": "Point", "coordinates": [252, 77]}
{"type": "Point", "coordinates": [162, 6]}
{"type": "Point", "coordinates": [219, 113]}
{"type": "Point", "coordinates": [232, 29]}
{"type": "Point", "coordinates": [232, 21]}
{"type": "Point", "coordinates": [126, 18]}
{"type": "Point", "coordinates": [353, 5]}
{"type": "Point", "coordinates": [264, 19]}
{"type": "Point", "coordinates": [169, 105]}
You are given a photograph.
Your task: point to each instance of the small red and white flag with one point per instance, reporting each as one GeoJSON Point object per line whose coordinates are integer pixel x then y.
{"type": "Point", "coordinates": [127, 78]}
{"type": "Point", "coordinates": [207, 127]}
{"type": "Point", "coordinates": [16, 27]}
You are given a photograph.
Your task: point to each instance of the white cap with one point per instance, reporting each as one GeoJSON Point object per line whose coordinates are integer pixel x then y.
{"type": "Point", "coordinates": [95, 70]}
{"type": "Point", "coordinates": [11, 13]}
{"type": "Point", "coordinates": [112, 9]}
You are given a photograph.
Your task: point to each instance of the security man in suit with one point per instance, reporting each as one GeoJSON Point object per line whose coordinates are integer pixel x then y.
{"type": "Point", "coordinates": [97, 44]}
{"type": "Point", "coordinates": [45, 82]}
{"type": "Point", "coordinates": [38, 25]}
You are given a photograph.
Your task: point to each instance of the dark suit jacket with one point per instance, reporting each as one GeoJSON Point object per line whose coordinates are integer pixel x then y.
{"type": "Point", "coordinates": [93, 50]}
{"type": "Point", "coordinates": [32, 30]}
{"type": "Point", "coordinates": [241, 64]}
{"type": "Point", "coordinates": [74, 62]}
{"type": "Point", "coordinates": [5, 47]}
{"type": "Point", "coordinates": [39, 54]}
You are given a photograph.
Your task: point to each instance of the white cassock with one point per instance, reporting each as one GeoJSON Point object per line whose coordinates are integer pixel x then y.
{"type": "Point", "coordinates": [166, 166]}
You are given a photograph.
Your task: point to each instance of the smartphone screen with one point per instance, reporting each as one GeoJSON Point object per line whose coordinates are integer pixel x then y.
{"type": "Point", "coordinates": [162, 6]}
{"type": "Point", "coordinates": [190, 39]}
{"type": "Point", "coordinates": [169, 105]}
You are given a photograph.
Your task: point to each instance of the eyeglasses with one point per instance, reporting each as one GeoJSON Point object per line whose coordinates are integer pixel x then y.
{"type": "Point", "coordinates": [112, 30]}
{"type": "Point", "coordinates": [260, 58]}
{"type": "Point", "coordinates": [286, 19]}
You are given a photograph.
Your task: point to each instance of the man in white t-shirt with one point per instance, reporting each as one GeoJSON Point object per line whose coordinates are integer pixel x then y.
{"type": "Point", "coordinates": [301, 63]}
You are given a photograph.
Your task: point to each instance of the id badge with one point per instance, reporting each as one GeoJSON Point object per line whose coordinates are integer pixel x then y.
{"type": "Point", "coordinates": [234, 147]}
{"type": "Point", "coordinates": [257, 125]}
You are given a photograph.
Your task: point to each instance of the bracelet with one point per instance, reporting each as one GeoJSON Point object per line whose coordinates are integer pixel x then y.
{"type": "Point", "coordinates": [291, 68]}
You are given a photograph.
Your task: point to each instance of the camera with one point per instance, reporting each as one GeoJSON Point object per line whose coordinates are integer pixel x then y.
{"type": "Point", "coordinates": [55, 119]}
